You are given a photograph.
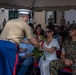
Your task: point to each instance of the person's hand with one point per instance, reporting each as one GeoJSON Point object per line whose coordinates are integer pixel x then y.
{"type": "Point", "coordinates": [26, 55]}
{"type": "Point", "coordinates": [68, 62]}
{"type": "Point", "coordinates": [23, 50]}
{"type": "Point", "coordinates": [23, 56]}
{"type": "Point", "coordinates": [25, 41]}
{"type": "Point", "coordinates": [41, 45]}
{"type": "Point", "coordinates": [39, 40]}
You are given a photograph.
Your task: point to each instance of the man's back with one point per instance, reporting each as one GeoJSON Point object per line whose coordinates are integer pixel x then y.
{"type": "Point", "coordinates": [14, 30]}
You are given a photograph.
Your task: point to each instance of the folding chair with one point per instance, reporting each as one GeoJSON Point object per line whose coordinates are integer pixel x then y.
{"type": "Point", "coordinates": [36, 69]}
{"type": "Point", "coordinates": [65, 71]}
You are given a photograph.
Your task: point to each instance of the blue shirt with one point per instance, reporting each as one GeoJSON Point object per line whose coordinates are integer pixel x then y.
{"type": "Point", "coordinates": [57, 37]}
{"type": "Point", "coordinates": [29, 48]}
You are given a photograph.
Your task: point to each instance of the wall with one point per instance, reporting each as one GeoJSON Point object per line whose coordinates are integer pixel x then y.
{"type": "Point", "coordinates": [3, 14]}
{"type": "Point", "coordinates": [42, 17]}
{"type": "Point", "coordinates": [70, 15]}
{"type": "Point", "coordinates": [59, 15]}
{"type": "Point", "coordinates": [39, 18]}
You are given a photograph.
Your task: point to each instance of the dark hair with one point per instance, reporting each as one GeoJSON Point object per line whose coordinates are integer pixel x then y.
{"type": "Point", "coordinates": [36, 28]}
{"type": "Point", "coordinates": [57, 27]}
{"type": "Point", "coordinates": [42, 31]}
{"type": "Point", "coordinates": [62, 27]}
{"type": "Point", "coordinates": [72, 27]}
{"type": "Point", "coordinates": [39, 25]}
{"type": "Point", "coordinates": [31, 25]}
{"type": "Point", "coordinates": [50, 28]}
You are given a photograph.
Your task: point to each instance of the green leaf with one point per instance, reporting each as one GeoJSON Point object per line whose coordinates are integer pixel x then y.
{"type": "Point", "coordinates": [38, 53]}
{"type": "Point", "coordinates": [44, 57]}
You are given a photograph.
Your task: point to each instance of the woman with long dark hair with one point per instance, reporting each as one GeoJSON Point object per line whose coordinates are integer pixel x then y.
{"type": "Point", "coordinates": [50, 46]}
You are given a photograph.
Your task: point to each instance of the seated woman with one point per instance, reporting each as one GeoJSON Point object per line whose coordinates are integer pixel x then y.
{"type": "Point", "coordinates": [39, 35]}
{"type": "Point", "coordinates": [39, 32]}
{"type": "Point", "coordinates": [50, 46]}
{"type": "Point", "coordinates": [25, 55]}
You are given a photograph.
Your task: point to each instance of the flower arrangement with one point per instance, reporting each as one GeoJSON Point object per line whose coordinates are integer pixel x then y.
{"type": "Point", "coordinates": [38, 52]}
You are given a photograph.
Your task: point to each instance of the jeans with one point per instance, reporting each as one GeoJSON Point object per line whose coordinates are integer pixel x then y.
{"type": "Point", "coordinates": [26, 63]}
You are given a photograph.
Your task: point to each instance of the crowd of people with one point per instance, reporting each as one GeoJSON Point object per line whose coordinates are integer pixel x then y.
{"type": "Point", "coordinates": [19, 37]}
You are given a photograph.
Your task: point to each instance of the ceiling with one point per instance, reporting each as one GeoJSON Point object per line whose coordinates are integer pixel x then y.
{"type": "Point", "coordinates": [39, 4]}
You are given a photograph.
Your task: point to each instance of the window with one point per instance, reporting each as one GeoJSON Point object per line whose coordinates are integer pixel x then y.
{"type": "Point", "coordinates": [13, 14]}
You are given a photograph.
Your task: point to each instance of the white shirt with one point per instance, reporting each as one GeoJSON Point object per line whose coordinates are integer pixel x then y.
{"type": "Point", "coordinates": [53, 43]}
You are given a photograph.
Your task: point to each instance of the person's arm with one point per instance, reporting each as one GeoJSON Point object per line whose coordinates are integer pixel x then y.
{"type": "Point", "coordinates": [22, 50]}
{"type": "Point", "coordinates": [53, 20]}
{"type": "Point", "coordinates": [54, 46]}
{"type": "Point", "coordinates": [27, 55]}
{"type": "Point", "coordinates": [61, 41]}
{"type": "Point", "coordinates": [63, 56]}
{"type": "Point", "coordinates": [31, 54]}
{"type": "Point", "coordinates": [30, 37]}
{"type": "Point", "coordinates": [25, 41]}
{"type": "Point", "coordinates": [50, 50]}
{"type": "Point", "coordinates": [67, 62]}
{"type": "Point", "coordinates": [34, 42]}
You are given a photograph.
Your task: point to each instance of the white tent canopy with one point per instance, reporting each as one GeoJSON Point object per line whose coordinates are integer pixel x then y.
{"type": "Point", "coordinates": [39, 4]}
